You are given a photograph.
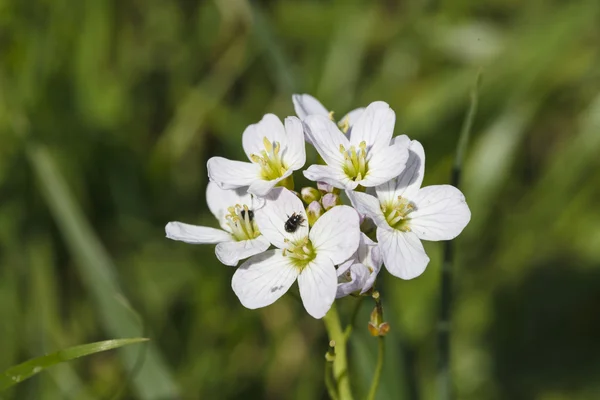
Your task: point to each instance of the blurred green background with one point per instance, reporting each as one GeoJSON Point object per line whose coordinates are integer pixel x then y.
{"type": "Point", "coordinates": [110, 109]}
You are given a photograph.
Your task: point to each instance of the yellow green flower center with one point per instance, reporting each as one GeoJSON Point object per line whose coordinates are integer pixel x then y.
{"type": "Point", "coordinates": [241, 221]}
{"type": "Point", "coordinates": [300, 252]}
{"type": "Point", "coordinates": [396, 213]}
{"type": "Point", "coordinates": [355, 161]}
{"type": "Point", "coordinates": [271, 164]}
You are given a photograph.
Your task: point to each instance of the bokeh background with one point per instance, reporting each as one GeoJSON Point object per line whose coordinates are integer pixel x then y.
{"type": "Point", "coordinates": [110, 109]}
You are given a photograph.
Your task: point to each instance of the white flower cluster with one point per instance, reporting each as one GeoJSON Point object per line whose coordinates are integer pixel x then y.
{"type": "Point", "coordinates": [322, 246]}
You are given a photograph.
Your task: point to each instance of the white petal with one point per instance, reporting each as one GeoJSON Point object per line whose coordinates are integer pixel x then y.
{"type": "Point", "coordinates": [327, 138]}
{"type": "Point", "coordinates": [385, 165]}
{"type": "Point", "coordinates": [403, 253]}
{"type": "Point", "coordinates": [336, 234]}
{"type": "Point", "coordinates": [229, 174]}
{"type": "Point", "coordinates": [219, 200]}
{"type": "Point", "coordinates": [263, 279]}
{"type": "Point", "coordinates": [294, 155]}
{"type": "Point", "coordinates": [335, 177]}
{"type": "Point", "coordinates": [369, 253]}
{"type": "Point", "coordinates": [261, 187]}
{"type": "Point", "coordinates": [408, 183]}
{"type": "Point", "coordinates": [279, 207]}
{"type": "Point", "coordinates": [442, 213]}
{"type": "Point", "coordinates": [269, 127]}
{"type": "Point", "coordinates": [359, 274]}
{"type": "Point", "coordinates": [375, 126]}
{"type": "Point", "coordinates": [305, 105]}
{"type": "Point", "coordinates": [368, 206]}
{"type": "Point", "coordinates": [405, 140]}
{"type": "Point", "coordinates": [230, 253]}
{"type": "Point", "coordinates": [196, 234]}
{"type": "Point", "coordinates": [352, 116]}
{"type": "Point", "coordinates": [318, 285]}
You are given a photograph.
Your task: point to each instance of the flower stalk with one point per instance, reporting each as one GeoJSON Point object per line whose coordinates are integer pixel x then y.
{"type": "Point", "coordinates": [444, 376]}
{"type": "Point", "coordinates": [340, 363]}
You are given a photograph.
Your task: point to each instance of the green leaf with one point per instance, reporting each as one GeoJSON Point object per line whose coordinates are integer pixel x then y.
{"type": "Point", "coordinates": [26, 370]}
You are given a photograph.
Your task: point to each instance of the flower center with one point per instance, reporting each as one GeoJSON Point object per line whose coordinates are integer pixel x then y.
{"type": "Point", "coordinates": [300, 252]}
{"type": "Point", "coordinates": [355, 161]}
{"type": "Point", "coordinates": [271, 164]}
{"type": "Point", "coordinates": [241, 221]}
{"type": "Point", "coordinates": [396, 213]}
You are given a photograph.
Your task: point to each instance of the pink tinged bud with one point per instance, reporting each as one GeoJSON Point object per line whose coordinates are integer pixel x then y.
{"type": "Point", "coordinates": [330, 200]}
{"type": "Point", "coordinates": [313, 212]}
{"type": "Point", "coordinates": [310, 194]}
{"type": "Point", "coordinates": [324, 187]}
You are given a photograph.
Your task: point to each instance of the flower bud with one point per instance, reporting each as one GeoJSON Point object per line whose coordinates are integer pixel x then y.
{"type": "Point", "coordinates": [377, 327]}
{"type": "Point", "coordinates": [313, 212]}
{"type": "Point", "coordinates": [330, 200]}
{"type": "Point", "coordinates": [310, 194]}
{"type": "Point", "coordinates": [324, 187]}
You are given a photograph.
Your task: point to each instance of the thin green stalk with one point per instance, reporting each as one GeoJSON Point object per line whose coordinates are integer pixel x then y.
{"type": "Point", "coordinates": [444, 376]}
{"type": "Point", "coordinates": [378, 369]}
{"type": "Point", "coordinates": [329, 382]}
{"type": "Point", "coordinates": [340, 364]}
{"type": "Point", "coordinates": [350, 326]}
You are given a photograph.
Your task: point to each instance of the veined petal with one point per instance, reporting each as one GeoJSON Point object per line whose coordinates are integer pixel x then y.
{"type": "Point", "coordinates": [219, 200]}
{"type": "Point", "coordinates": [358, 276]}
{"type": "Point", "coordinates": [403, 253]}
{"type": "Point", "coordinates": [305, 105]}
{"type": "Point", "coordinates": [330, 175]}
{"type": "Point", "coordinates": [318, 285]}
{"type": "Point", "coordinates": [385, 165]}
{"type": "Point", "coordinates": [270, 127]}
{"type": "Point", "coordinates": [375, 126]}
{"type": "Point", "coordinates": [196, 234]}
{"type": "Point", "coordinates": [442, 213]}
{"type": "Point", "coordinates": [263, 279]}
{"type": "Point", "coordinates": [408, 183]}
{"type": "Point", "coordinates": [230, 253]}
{"type": "Point", "coordinates": [261, 187]}
{"type": "Point", "coordinates": [280, 205]}
{"type": "Point", "coordinates": [327, 138]}
{"type": "Point", "coordinates": [336, 234]}
{"type": "Point", "coordinates": [229, 174]}
{"type": "Point", "coordinates": [294, 154]}
{"type": "Point", "coordinates": [368, 206]}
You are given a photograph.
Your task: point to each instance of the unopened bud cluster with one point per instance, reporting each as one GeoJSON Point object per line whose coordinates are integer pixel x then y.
{"type": "Point", "coordinates": [319, 200]}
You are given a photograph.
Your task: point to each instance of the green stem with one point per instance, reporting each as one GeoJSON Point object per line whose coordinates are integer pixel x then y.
{"type": "Point", "coordinates": [350, 325]}
{"type": "Point", "coordinates": [329, 382]}
{"type": "Point", "coordinates": [445, 317]}
{"type": "Point", "coordinates": [378, 369]}
{"type": "Point", "coordinates": [340, 364]}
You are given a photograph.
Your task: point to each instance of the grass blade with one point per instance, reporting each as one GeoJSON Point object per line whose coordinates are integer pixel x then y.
{"type": "Point", "coordinates": [26, 370]}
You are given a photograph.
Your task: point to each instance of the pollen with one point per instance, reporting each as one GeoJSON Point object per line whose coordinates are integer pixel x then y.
{"type": "Point", "coordinates": [397, 213]}
{"type": "Point", "coordinates": [241, 223]}
{"type": "Point", "coordinates": [300, 252]}
{"type": "Point", "coordinates": [355, 161]}
{"type": "Point", "coordinates": [345, 124]}
{"type": "Point", "coordinates": [270, 161]}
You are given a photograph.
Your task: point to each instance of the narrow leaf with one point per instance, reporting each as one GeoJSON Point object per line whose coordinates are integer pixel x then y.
{"type": "Point", "coordinates": [26, 370]}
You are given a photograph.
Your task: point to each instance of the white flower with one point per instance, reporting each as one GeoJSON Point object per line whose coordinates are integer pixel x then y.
{"type": "Point", "coordinates": [306, 105]}
{"type": "Point", "coordinates": [274, 152]}
{"type": "Point", "coordinates": [367, 157]}
{"type": "Point", "coordinates": [240, 237]}
{"type": "Point", "coordinates": [359, 272]}
{"type": "Point", "coordinates": [309, 256]}
{"type": "Point", "coordinates": [405, 214]}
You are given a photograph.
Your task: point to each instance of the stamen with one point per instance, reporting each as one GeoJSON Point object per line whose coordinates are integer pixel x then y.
{"type": "Point", "coordinates": [270, 161]}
